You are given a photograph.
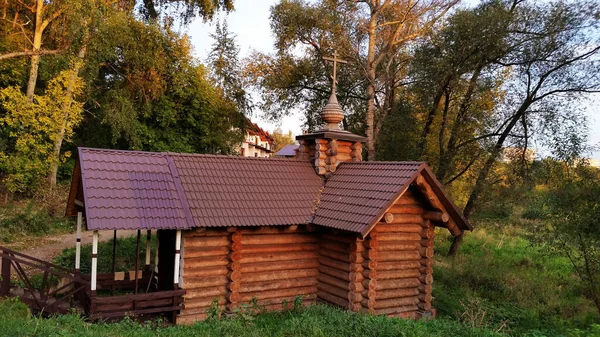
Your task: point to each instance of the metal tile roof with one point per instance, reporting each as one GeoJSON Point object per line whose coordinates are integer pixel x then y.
{"type": "Point", "coordinates": [358, 192]}
{"type": "Point", "coordinates": [287, 151]}
{"type": "Point", "coordinates": [129, 190]}
{"type": "Point", "coordinates": [242, 191]}
{"type": "Point", "coordinates": [145, 190]}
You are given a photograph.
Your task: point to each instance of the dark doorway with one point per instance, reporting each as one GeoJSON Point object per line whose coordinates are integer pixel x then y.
{"type": "Point", "coordinates": [166, 258]}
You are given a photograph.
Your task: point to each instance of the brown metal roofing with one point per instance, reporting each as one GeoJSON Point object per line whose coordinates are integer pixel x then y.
{"type": "Point", "coordinates": [358, 192]}
{"type": "Point", "coordinates": [129, 190]}
{"type": "Point", "coordinates": [137, 190]}
{"type": "Point", "coordinates": [242, 191]}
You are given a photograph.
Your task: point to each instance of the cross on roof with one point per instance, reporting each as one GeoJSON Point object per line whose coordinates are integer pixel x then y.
{"type": "Point", "coordinates": [335, 60]}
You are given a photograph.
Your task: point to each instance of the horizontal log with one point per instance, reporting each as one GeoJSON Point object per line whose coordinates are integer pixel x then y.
{"type": "Point", "coordinates": [425, 288]}
{"type": "Point", "coordinates": [307, 247]}
{"type": "Point", "coordinates": [278, 239]}
{"type": "Point", "coordinates": [343, 257]}
{"type": "Point", "coordinates": [369, 264]}
{"type": "Point", "coordinates": [205, 282]}
{"type": "Point", "coordinates": [334, 281]}
{"type": "Point", "coordinates": [262, 230]}
{"type": "Point", "coordinates": [278, 275]}
{"type": "Point", "coordinates": [369, 293]}
{"type": "Point", "coordinates": [336, 264]}
{"type": "Point", "coordinates": [208, 241]}
{"type": "Point", "coordinates": [426, 278]}
{"type": "Point", "coordinates": [407, 200]}
{"type": "Point", "coordinates": [397, 284]}
{"type": "Point", "coordinates": [204, 272]}
{"type": "Point", "coordinates": [404, 219]}
{"type": "Point", "coordinates": [424, 306]}
{"type": "Point", "coordinates": [426, 262]}
{"type": "Point", "coordinates": [405, 209]}
{"type": "Point", "coordinates": [287, 306]}
{"type": "Point", "coordinates": [399, 228]}
{"type": "Point", "coordinates": [426, 252]}
{"type": "Point", "coordinates": [195, 263]}
{"type": "Point", "coordinates": [340, 247]}
{"type": "Point", "coordinates": [191, 318]}
{"type": "Point", "coordinates": [277, 265]}
{"type": "Point", "coordinates": [397, 274]}
{"type": "Point", "coordinates": [327, 288]}
{"type": "Point", "coordinates": [398, 237]}
{"type": "Point", "coordinates": [396, 310]}
{"type": "Point", "coordinates": [396, 302]}
{"type": "Point", "coordinates": [371, 243]}
{"type": "Point", "coordinates": [388, 217]}
{"type": "Point", "coordinates": [357, 286]}
{"type": "Point", "coordinates": [397, 293]}
{"type": "Point", "coordinates": [399, 256]}
{"type": "Point", "coordinates": [193, 251]}
{"type": "Point", "coordinates": [436, 216]}
{"type": "Point", "coordinates": [426, 269]}
{"type": "Point", "coordinates": [200, 312]}
{"type": "Point", "coordinates": [368, 303]}
{"type": "Point", "coordinates": [398, 265]}
{"type": "Point", "coordinates": [428, 233]}
{"type": "Point", "coordinates": [344, 143]}
{"type": "Point", "coordinates": [287, 299]}
{"type": "Point", "coordinates": [270, 257]}
{"type": "Point", "coordinates": [399, 246]}
{"type": "Point", "coordinates": [281, 284]}
{"type": "Point", "coordinates": [453, 228]}
{"type": "Point", "coordinates": [213, 292]}
{"type": "Point", "coordinates": [278, 293]}
{"type": "Point", "coordinates": [425, 297]}
{"type": "Point", "coordinates": [204, 232]}
{"type": "Point", "coordinates": [344, 149]}
{"type": "Point", "coordinates": [369, 284]}
{"type": "Point", "coordinates": [344, 303]}
{"type": "Point", "coordinates": [340, 274]}
{"type": "Point", "coordinates": [204, 302]}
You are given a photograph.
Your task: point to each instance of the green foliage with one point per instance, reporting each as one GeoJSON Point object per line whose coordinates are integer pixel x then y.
{"type": "Point", "coordinates": [125, 255]}
{"type": "Point", "coordinates": [26, 220]}
{"type": "Point", "coordinates": [32, 128]}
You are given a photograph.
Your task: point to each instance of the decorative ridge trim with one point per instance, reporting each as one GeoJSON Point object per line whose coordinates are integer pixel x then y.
{"type": "Point", "coordinates": [179, 187]}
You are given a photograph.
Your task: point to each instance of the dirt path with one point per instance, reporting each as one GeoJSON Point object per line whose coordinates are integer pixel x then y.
{"type": "Point", "coordinates": [48, 247]}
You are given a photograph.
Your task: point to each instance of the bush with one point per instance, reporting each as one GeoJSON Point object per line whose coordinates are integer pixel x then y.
{"type": "Point", "coordinates": [30, 220]}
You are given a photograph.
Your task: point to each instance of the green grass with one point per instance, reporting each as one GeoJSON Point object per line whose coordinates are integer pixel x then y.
{"type": "Point", "coordinates": [499, 280]}
{"type": "Point", "coordinates": [22, 222]}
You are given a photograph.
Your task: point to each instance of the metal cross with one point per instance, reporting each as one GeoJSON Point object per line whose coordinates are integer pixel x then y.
{"type": "Point", "coordinates": [335, 61]}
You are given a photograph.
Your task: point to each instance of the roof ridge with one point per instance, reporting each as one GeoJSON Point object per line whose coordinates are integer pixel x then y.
{"type": "Point", "coordinates": [179, 188]}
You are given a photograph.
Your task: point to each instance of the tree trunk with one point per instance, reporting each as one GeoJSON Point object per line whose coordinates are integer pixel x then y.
{"type": "Point", "coordinates": [430, 117]}
{"type": "Point", "coordinates": [483, 174]}
{"type": "Point", "coordinates": [54, 160]}
{"type": "Point", "coordinates": [371, 87]}
{"type": "Point", "coordinates": [37, 45]}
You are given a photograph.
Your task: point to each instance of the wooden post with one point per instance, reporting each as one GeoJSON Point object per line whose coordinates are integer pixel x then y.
{"type": "Point", "coordinates": [137, 264]}
{"type": "Point", "coordinates": [235, 276]}
{"type": "Point", "coordinates": [5, 286]}
{"type": "Point", "coordinates": [177, 258]}
{"type": "Point", "coordinates": [78, 243]}
{"type": "Point", "coordinates": [114, 252]}
{"type": "Point", "coordinates": [148, 244]}
{"type": "Point", "coordinates": [94, 260]}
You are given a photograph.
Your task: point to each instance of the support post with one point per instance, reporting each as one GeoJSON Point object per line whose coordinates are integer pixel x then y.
{"type": "Point", "coordinates": [78, 243]}
{"type": "Point", "coordinates": [148, 244]}
{"type": "Point", "coordinates": [94, 260]}
{"type": "Point", "coordinates": [177, 258]}
{"type": "Point", "coordinates": [5, 286]}
{"type": "Point", "coordinates": [137, 263]}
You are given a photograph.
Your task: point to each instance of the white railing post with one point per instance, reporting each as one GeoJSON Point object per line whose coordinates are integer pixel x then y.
{"type": "Point", "coordinates": [177, 258]}
{"type": "Point", "coordinates": [78, 243]}
{"type": "Point", "coordinates": [94, 260]}
{"type": "Point", "coordinates": [148, 238]}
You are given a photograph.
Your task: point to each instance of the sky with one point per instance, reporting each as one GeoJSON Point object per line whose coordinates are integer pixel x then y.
{"type": "Point", "coordinates": [250, 23]}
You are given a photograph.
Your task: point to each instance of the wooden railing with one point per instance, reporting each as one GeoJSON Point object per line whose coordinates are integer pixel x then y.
{"type": "Point", "coordinates": [160, 302]}
{"type": "Point", "coordinates": [43, 296]}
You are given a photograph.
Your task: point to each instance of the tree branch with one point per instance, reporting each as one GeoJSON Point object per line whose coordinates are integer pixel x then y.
{"type": "Point", "coordinates": [30, 53]}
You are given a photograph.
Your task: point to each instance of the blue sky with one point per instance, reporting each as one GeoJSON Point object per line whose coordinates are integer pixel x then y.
{"type": "Point", "coordinates": [250, 22]}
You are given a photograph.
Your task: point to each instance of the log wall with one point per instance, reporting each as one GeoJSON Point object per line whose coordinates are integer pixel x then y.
{"type": "Point", "coordinates": [271, 266]}
{"type": "Point", "coordinates": [398, 260]}
{"type": "Point", "coordinates": [206, 271]}
{"type": "Point", "coordinates": [340, 270]}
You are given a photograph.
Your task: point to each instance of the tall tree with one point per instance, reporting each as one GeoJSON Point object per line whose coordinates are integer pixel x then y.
{"type": "Point", "coordinates": [225, 66]}
{"type": "Point", "coordinates": [553, 57]}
